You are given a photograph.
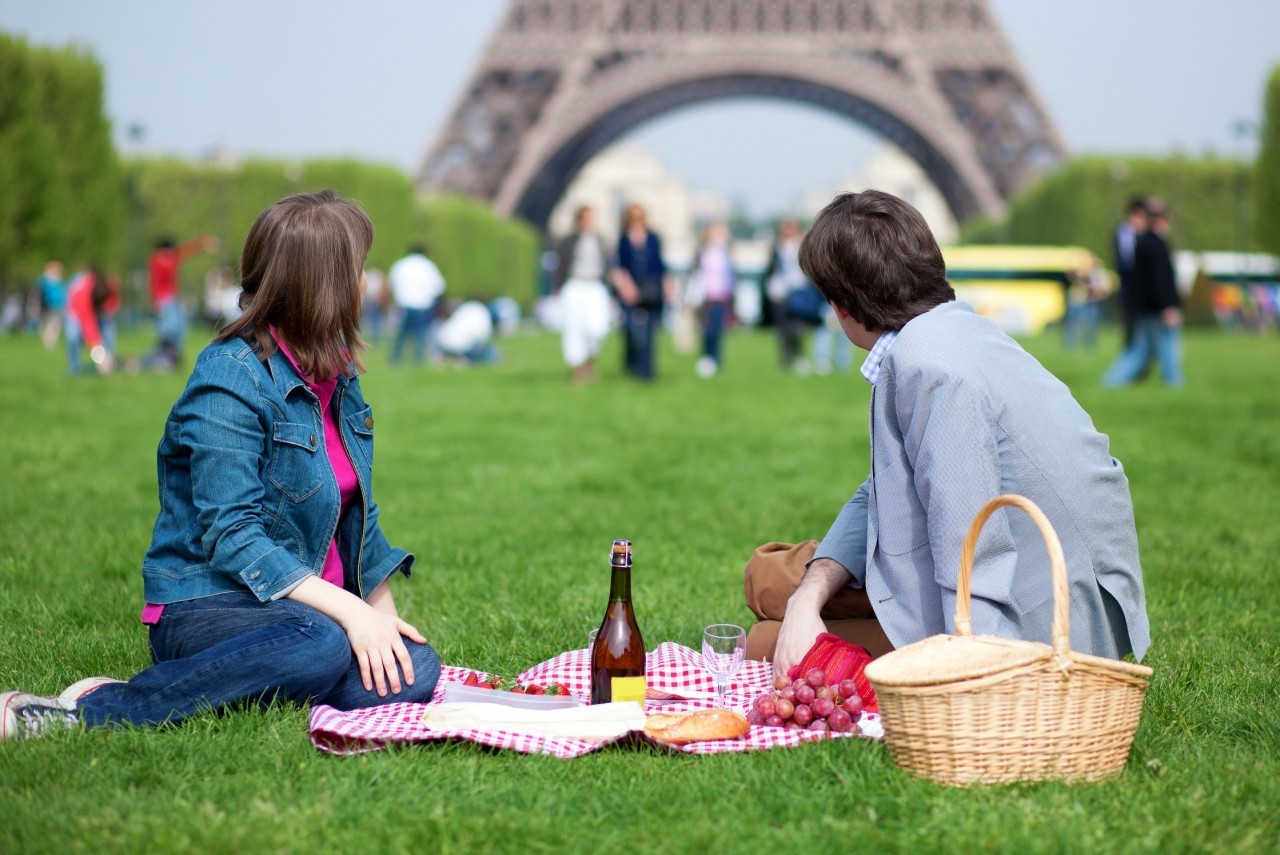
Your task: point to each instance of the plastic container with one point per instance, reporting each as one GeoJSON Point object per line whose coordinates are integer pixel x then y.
{"type": "Point", "coordinates": [457, 693]}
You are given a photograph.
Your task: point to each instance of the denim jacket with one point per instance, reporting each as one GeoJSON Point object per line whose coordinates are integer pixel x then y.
{"type": "Point", "coordinates": [247, 496]}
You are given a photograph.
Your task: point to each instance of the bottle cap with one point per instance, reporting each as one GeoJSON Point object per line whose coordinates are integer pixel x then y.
{"type": "Point", "coordinates": [621, 555]}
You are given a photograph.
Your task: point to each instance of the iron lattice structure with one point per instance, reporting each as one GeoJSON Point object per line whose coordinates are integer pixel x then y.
{"type": "Point", "coordinates": [561, 79]}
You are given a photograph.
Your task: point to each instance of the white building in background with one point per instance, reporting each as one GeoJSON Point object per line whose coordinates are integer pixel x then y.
{"type": "Point", "coordinates": [624, 173]}
{"type": "Point", "coordinates": [890, 169]}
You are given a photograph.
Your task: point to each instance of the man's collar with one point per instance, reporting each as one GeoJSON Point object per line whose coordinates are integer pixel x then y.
{"type": "Point", "coordinates": [871, 365]}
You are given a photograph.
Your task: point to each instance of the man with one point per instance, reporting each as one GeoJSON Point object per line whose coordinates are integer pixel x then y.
{"type": "Point", "coordinates": [1158, 308]}
{"type": "Point", "coordinates": [785, 290]}
{"type": "Point", "coordinates": [959, 414]}
{"type": "Point", "coordinates": [582, 262]}
{"type": "Point", "coordinates": [1124, 245]}
{"type": "Point", "coordinates": [416, 284]}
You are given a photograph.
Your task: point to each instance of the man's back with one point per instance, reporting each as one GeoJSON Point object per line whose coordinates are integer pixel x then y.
{"type": "Point", "coordinates": [961, 414]}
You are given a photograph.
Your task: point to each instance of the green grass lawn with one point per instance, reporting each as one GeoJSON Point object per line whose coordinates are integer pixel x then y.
{"type": "Point", "coordinates": [509, 485]}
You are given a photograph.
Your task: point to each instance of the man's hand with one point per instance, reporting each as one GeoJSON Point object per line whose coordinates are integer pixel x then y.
{"type": "Point", "coordinates": [1172, 317]}
{"type": "Point", "coordinates": [800, 629]}
{"type": "Point", "coordinates": [802, 623]}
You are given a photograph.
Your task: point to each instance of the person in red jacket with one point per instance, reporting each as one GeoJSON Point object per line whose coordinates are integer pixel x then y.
{"type": "Point", "coordinates": [162, 270]}
{"type": "Point", "coordinates": [87, 298]}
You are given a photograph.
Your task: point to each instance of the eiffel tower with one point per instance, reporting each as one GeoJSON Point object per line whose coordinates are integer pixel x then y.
{"type": "Point", "coordinates": [561, 79]}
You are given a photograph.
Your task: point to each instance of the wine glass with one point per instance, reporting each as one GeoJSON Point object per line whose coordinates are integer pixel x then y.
{"type": "Point", "coordinates": [724, 647]}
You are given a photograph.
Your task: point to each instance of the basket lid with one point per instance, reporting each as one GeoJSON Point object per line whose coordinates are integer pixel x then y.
{"type": "Point", "coordinates": [948, 658]}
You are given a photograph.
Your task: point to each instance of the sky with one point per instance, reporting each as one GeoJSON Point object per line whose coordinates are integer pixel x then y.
{"type": "Point", "coordinates": [321, 78]}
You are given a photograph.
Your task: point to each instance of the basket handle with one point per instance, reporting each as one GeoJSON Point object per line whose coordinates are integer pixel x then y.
{"type": "Point", "coordinates": [1061, 599]}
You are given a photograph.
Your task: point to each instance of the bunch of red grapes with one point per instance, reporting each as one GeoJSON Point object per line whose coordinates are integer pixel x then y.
{"type": "Point", "coordinates": [809, 704]}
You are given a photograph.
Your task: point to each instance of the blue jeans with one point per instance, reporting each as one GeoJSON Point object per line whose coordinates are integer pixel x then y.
{"type": "Point", "coordinates": [415, 326]}
{"type": "Point", "coordinates": [716, 313]}
{"type": "Point", "coordinates": [75, 343]}
{"type": "Point", "coordinates": [219, 650]}
{"type": "Point", "coordinates": [1081, 324]}
{"type": "Point", "coordinates": [171, 323]}
{"type": "Point", "coordinates": [1151, 338]}
{"type": "Point", "coordinates": [641, 327]}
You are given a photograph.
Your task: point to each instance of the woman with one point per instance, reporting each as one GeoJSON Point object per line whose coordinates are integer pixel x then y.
{"type": "Point", "coordinates": [713, 269]}
{"type": "Point", "coordinates": [643, 286]}
{"type": "Point", "coordinates": [584, 300]}
{"type": "Point", "coordinates": [268, 574]}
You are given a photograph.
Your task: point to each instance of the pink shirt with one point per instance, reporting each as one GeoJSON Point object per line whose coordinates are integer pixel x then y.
{"type": "Point", "coordinates": [343, 471]}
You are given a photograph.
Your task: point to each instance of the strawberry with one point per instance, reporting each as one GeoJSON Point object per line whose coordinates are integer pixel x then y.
{"type": "Point", "coordinates": [471, 680]}
{"type": "Point", "coordinates": [535, 690]}
{"type": "Point", "coordinates": [495, 682]}
{"type": "Point", "coordinates": [518, 690]}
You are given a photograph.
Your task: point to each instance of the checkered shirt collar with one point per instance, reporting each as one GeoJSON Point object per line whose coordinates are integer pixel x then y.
{"type": "Point", "coordinates": [871, 365]}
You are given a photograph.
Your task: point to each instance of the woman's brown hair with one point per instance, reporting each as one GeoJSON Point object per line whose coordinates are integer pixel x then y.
{"type": "Point", "coordinates": [300, 270]}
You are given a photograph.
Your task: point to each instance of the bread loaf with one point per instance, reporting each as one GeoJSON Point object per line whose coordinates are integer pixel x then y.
{"type": "Point", "coordinates": [679, 728]}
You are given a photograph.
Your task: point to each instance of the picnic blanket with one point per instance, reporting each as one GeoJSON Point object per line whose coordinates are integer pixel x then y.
{"type": "Point", "coordinates": [670, 668]}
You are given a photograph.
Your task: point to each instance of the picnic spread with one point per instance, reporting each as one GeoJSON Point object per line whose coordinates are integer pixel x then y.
{"type": "Point", "coordinates": [678, 683]}
{"type": "Point", "coordinates": [959, 709]}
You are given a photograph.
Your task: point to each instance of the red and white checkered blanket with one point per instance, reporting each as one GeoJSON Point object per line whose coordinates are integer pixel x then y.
{"type": "Point", "coordinates": [670, 668]}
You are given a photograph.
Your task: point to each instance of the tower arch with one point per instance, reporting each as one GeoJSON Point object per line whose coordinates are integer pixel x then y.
{"type": "Point", "coordinates": [561, 80]}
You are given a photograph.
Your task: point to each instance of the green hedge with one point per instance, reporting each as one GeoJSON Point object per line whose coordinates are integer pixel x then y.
{"type": "Point", "coordinates": [478, 251]}
{"type": "Point", "coordinates": [1081, 203]}
{"type": "Point", "coordinates": [60, 190]}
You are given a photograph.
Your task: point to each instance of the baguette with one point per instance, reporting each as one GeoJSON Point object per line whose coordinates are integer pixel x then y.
{"type": "Point", "coordinates": [680, 728]}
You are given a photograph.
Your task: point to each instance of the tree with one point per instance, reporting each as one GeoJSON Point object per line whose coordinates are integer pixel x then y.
{"type": "Point", "coordinates": [1266, 174]}
{"type": "Point", "coordinates": [60, 190]}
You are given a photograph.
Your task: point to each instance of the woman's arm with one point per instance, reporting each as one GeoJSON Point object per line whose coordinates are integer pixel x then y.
{"type": "Point", "coordinates": [373, 629]}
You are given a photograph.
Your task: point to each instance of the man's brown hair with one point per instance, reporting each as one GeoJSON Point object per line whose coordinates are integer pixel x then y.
{"type": "Point", "coordinates": [300, 270]}
{"type": "Point", "coordinates": [873, 255]}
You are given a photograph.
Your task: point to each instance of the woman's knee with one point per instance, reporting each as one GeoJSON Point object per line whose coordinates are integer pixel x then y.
{"type": "Point", "coordinates": [328, 651]}
{"type": "Point", "coordinates": [426, 673]}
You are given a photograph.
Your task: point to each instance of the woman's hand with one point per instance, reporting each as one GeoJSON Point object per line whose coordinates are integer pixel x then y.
{"type": "Point", "coordinates": [374, 630]}
{"type": "Point", "coordinates": [376, 640]}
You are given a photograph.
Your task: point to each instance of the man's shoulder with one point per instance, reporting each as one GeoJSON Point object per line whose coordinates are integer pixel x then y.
{"type": "Point", "coordinates": [949, 341]}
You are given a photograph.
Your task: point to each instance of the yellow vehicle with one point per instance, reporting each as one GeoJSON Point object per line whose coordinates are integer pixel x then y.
{"type": "Point", "coordinates": [1021, 288]}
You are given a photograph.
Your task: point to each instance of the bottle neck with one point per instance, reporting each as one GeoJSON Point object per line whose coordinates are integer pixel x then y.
{"type": "Point", "coordinates": [620, 585]}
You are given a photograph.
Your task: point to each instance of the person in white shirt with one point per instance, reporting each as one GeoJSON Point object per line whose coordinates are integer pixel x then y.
{"type": "Point", "coordinates": [584, 300]}
{"type": "Point", "coordinates": [467, 334]}
{"type": "Point", "coordinates": [416, 284]}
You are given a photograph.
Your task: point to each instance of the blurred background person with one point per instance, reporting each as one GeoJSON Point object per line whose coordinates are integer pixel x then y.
{"type": "Point", "coordinates": [785, 287]}
{"type": "Point", "coordinates": [644, 285]}
{"type": "Point", "coordinates": [1087, 290]}
{"type": "Point", "coordinates": [163, 269]}
{"type": "Point", "coordinates": [1158, 324]}
{"type": "Point", "coordinates": [466, 334]}
{"type": "Point", "coordinates": [713, 273]}
{"type": "Point", "coordinates": [417, 285]}
{"type": "Point", "coordinates": [376, 306]}
{"type": "Point", "coordinates": [53, 303]}
{"type": "Point", "coordinates": [87, 298]}
{"type": "Point", "coordinates": [219, 284]}
{"type": "Point", "coordinates": [581, 264]}
{"type": "Point", "coordinates": [831, 347]}
{"type": "Point", "coordinates": [1124, 247]}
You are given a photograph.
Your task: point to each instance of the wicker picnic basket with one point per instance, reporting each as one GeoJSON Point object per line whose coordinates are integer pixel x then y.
{"type": "Point", "coordinates": [960, 709]}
